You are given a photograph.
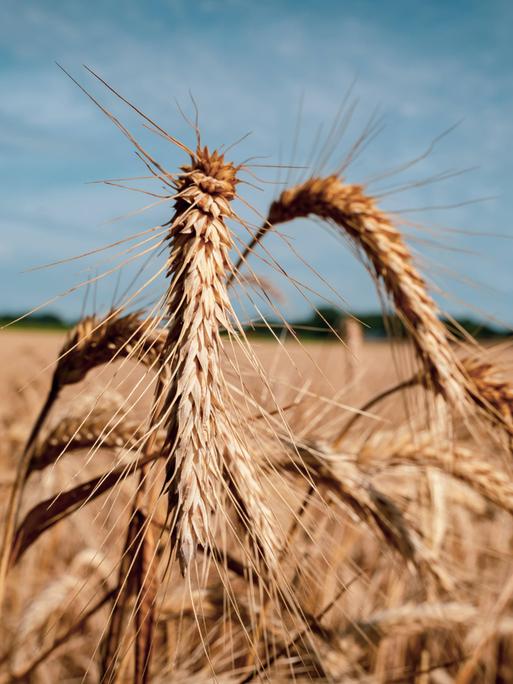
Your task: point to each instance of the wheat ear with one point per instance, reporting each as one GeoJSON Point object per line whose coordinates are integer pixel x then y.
{"type": "Point", "coordinates": [492, 392]}
{"type": "Point", "coordinates": [348, 484]}
{"type": "Point", "coordinates": [201, 439]}
{"type": "Point", "coordinates": [96, 341]}
{"type": "Point", "coordinates": [459, 462]}
{"type": "Point", "coordinates": [354, 212]}
{"type": "Point", "coordinates": [95, 430]}
{"type": "Point", "coordinates": [412, 619]}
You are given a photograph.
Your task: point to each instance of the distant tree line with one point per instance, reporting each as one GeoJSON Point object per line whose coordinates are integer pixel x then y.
{"type": "Point", "coordinates": [323, 323]}
{"type": "Point", "coordinates": [49, 321]}
{"type": "Point", "coordinates": [327, 322]}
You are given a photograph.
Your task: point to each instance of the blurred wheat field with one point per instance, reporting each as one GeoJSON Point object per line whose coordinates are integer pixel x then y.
{"type": "Point", "coordinates": [388, 620]}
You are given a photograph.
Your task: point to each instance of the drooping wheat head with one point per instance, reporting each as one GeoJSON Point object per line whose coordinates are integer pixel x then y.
{"type": "Point", "coordinates": [381, 244]}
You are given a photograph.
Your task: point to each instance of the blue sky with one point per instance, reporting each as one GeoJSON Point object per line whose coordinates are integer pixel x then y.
{"type": "Point", "coordinates": [425, 65]}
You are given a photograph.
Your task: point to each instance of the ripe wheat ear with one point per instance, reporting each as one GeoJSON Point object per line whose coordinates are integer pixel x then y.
{"type": "Point", "coordinates": [205, 455]}
{"type": "Point", "coordinates": [356, 214]}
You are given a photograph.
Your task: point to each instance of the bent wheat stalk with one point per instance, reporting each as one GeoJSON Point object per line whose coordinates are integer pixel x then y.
{"type": "Point", "coordinates": [373, 233]}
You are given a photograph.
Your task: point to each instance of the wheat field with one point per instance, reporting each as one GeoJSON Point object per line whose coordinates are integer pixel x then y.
{"type": "Point", "coordinates": [185, 502]}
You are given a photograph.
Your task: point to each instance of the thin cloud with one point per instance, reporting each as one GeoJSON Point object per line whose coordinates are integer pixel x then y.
{"type": "Point", "coordinates": [248, 67]}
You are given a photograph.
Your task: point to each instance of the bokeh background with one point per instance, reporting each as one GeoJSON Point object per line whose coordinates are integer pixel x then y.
{"type": "Point", "coordinates": [424, 66]}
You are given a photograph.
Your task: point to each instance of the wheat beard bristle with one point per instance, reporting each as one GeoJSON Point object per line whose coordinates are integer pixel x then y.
{"type": "Point", "coordinates": [199, 430]}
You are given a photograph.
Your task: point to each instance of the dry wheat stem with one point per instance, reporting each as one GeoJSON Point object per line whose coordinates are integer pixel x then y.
{"type": "Point", "coordinates": [137, 566]}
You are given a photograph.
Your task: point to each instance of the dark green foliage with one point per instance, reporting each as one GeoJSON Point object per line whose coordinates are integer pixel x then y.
{"type": "Point", "coordinates": [326, 323]}
{"type": "Point", "coordinates": [40, 321]}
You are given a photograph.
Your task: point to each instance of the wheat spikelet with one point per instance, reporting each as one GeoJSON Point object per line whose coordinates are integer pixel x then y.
{"type": "Point", "coordinates": [75, 432]}
{"type": "Point", "coordinates": [493, 393]}
{"type": "Point", "coordinates": [489, 389]}
{"type": "Point", "coordinates": [66, 595]}
{"type": "Point", "coordinates": [201, 439]}
{"type": "Point", "coordinates": [94, 342]}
